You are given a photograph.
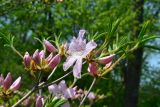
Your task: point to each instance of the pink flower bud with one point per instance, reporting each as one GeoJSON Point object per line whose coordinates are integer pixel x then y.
{"type": "Point", "coordinates": [7, 82]}
{"type": "Point", "coordinates": [55, 61]}
{"type": "Point", "coordinates": [16, 84]}
{"type": "Point", "coordinates": [27, 60]}
{"type": "Point", "coordinates": [49, 46]}
{"type": "Point", "coordinates": [92, 68]}
{"type": "Point", "coordinates": [39, 101]}
{"type": "Point", "coordinates": [41, 54]}
{"type": "Point", "coordinates": [1, 80]}
{"type": "Point", "coordinates": [91, 96]}
{"type": "Point", "coordinates": [36, 56]}
{"type": "Point", "coordinates": [106, 60]}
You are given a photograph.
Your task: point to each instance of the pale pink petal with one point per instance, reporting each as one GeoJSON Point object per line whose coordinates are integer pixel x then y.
{"type": "Point", "coordinates": [106, 60]}
{"type": "Point", "coordinates": [108, 65]}
{"type": "Point", "coordinates": [89, 47]}
{"type": "Point", "coordinates": [53, 89]}
{"type": "Point", "coordinates": [69, 93]}
{"type": "Point", "coordinates": [69, 62]}
{"type": "Point", "coordinates": [62, 86]}
{"type": "Point", "coordinates": [92, 68]}
{"type": "Point", "coordinates": [77, 68]}
{"type": "Point", "coordinates": [81, 34]}
{"type": "Point", "coordinates": [16, 84]}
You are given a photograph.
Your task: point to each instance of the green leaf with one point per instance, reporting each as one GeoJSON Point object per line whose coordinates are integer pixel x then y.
{"type": "Point", "coordinates": [152, 47]}
{"type": "Point", "coordinates": [148, 38]}
{"type": "Point", "coordinates": [143, 30]}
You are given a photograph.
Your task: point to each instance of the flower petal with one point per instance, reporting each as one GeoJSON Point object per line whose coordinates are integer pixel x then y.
{"type": "Point", "coordinates": [16, 84]}
{"type": "Point", "coordinates": [93, 68]}
{"type": "Point", "coordinates": [49, 46]}
{"type": "Point", "coordinates": [53, 89]}
{"type": "Point", "coordinates": [107, 59]}
{"type": "Point", "coordinates": [77, 68]}
{"type": "Point", "coordinates": [81, 34]}
{"type": "Point", "coordinates": [69, 62]}
{"type": "Point", "coordinates": [62, 86]}
{"type": "Point", "coordinates": [54, 61]}
{"type": "Point", "coordinates": [89, 47]}
{"type": "Point", "coordinates": [7, 82]}
{"type": "Point", "coordinates": [39, 101]}
{"type": "Point", "coordinates": [69, 93]}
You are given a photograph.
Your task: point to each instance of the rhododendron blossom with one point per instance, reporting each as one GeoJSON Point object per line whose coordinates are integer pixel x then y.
{"type": "Point", "coordinates": [78, 49]}
{"type": "Point", "coordinates": [61, 90]}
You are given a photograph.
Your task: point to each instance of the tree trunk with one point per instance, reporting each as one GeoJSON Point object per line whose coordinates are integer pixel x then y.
{"type": "Point", "coordinates": [133, 70]}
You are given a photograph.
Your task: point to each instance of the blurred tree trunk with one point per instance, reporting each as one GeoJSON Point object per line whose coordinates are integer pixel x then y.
{"type": "Point", "coordinates": [133, 69]}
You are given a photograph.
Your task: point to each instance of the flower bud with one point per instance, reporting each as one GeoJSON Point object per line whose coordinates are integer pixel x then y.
{"type": "Point", "coordinates": [39, 101]}
{"type": "Point", "coordinates": [36, 56]}
{"type": "Point", "coordinates": [55, 61]}
{"type": "Point", "coordinates": [107, 59]}
{"type": "Point", "coordinates": [27, 60]}
{"type": "Point", "coordinates": [41, 54]}
{"type": "Point", "coordinates": [16, 84]}
{"type": "Point", "coordinates": [49, 46]}
{"type": "Point", "coordinates": [92, 68]}
{"type": "Point", "coordinates": [7, 82]}
{"type": "Point", "coordinates": [91, 96]}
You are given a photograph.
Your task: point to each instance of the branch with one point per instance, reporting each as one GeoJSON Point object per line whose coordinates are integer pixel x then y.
{"type": "Point", "coordinates": [93, 82]}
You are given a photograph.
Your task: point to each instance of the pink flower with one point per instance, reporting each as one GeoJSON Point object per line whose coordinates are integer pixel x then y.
{"type": "Point", "coordinates": [49, 46]}
{"type": "Point", "coordinates": [93, 68]}
{"type": "Point", "coordinates": [61, 90]}
{"type": "Point", "coordinates": [78, 49]}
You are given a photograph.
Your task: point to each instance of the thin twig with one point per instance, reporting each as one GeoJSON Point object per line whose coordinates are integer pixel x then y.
{"type": "Point", "coordinates": [46, 85]}
{"type": "Point", "coordinates": [26, 96]}
{"type": "Point", "coordinates": [15, 50]}
{"type": "Point", "coordinates": [84, 98]}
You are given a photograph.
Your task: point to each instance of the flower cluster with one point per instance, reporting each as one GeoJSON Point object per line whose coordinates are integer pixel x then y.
{"type": "Point", "coordinates": [38, 61]}
{"type": "Point", "coordinates": [77, 53]}
{"type": "Point", "coordinates": [7, 84]}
